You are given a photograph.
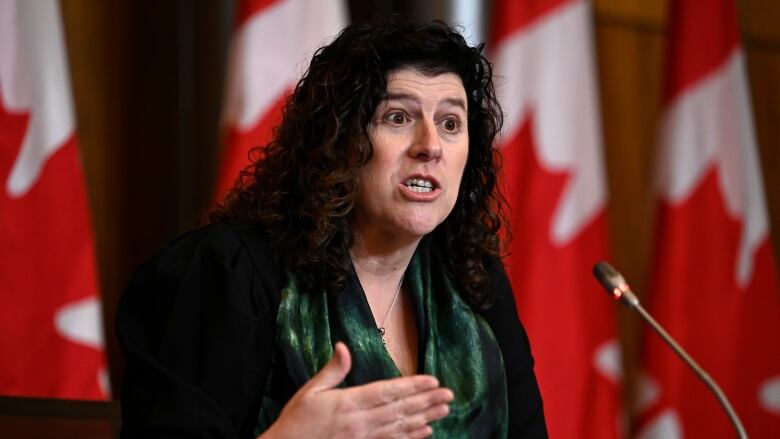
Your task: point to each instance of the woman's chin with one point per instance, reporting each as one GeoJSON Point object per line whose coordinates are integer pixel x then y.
{"type": "Point", "coordinates": [418, 228]}
{"type": "Point", "coordinates": [403, 226]}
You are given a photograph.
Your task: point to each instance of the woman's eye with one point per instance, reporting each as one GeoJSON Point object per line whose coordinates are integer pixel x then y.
{"type": "Point", "coordinates": [451, 125]}
{"type": "Point", "coordinates": [397, 118]}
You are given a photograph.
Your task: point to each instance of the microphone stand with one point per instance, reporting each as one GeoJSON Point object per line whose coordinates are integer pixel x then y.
{"type": "Point", "coordinates": [617, 287]}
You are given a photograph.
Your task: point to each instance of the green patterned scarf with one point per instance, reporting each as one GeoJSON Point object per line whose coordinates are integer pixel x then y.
{"type": "Point", "coordinates": [456, 345]}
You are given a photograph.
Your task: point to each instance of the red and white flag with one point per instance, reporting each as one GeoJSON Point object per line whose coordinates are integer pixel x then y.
{"type": "Point", "coordinates": [714, 280]}
{"type": "Point", "coordinates": [554, 180]}
{"type": "Point", "coordinates": [271, 47]}
{"type": "Point", "coordinates": [51, 337]}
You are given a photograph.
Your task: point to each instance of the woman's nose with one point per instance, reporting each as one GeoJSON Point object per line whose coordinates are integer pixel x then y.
{"type": "Point", "coordinates": [427, 143]}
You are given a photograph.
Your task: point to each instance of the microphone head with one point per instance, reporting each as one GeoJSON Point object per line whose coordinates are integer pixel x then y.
{"type": "Point", "coordinates": [614, 283]}
{"type": "Point", "coordinates": [607, 276]}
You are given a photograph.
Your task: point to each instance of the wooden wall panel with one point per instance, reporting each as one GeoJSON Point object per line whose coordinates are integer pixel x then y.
{"type": "Point", "coordinates": [96, 38]}
{"type": "Point", "coordinates": [760, 22]}
{"type": "Point", "coordinates": [763, 64]}
{"type": "Point", "coordinates": [647, 12]}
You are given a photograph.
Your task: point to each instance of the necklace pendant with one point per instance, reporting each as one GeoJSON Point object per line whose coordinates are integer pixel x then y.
{"type": "Point", "coordinates": [381, 327]}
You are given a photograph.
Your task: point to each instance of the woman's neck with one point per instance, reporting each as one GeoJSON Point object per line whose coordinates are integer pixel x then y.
{"type": "Point", "coordinates": [381, 260]}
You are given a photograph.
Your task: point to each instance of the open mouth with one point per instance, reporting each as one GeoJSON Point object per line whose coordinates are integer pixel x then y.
{"type": "Point", "coordinates": [417, 184]}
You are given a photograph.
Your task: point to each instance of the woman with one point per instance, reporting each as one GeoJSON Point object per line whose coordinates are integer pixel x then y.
{"type": "Point", "coordinates": [349, 285]}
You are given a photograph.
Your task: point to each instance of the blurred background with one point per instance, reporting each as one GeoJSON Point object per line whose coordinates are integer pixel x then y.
{"type": "Point", "coordinates": [148, 81]}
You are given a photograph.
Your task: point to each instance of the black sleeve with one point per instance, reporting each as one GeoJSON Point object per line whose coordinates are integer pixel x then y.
{"type": "Point", "coordinates": [526, 414]}
{"type": "Point", "coordinates": [196, 326]}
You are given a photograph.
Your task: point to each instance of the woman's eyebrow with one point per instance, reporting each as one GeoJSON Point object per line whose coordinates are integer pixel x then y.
{"type": "Point", "coordinates": [399, 96]}
{"type": "Point", "coordinates": [457, 102]}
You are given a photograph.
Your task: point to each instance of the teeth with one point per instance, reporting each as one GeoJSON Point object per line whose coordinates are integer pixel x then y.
{"type": "Point", "coordinates": [419, 185]}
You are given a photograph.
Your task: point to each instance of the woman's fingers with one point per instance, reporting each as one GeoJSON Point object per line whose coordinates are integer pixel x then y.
{"type": "Point", "coordinates": [420, 433]}
{"type": "Point", "coordinates": [334, 372]}
{"type": "Point", "coordinates": [414, 425]}
{"type": "Point", "coordinates": [387, 391]}
{"type": "Point", "coordinates": [423, 418]}
{"type": "Point", "coordinates": [408, 414]}
{"type": "Point", "coordinates": [417, 410]}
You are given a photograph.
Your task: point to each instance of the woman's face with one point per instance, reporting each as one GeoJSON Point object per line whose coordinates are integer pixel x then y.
{"type": "Point", "coordinates": [420, 145]}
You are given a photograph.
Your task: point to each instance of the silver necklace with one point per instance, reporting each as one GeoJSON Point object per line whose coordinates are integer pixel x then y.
{"type": "Point", "coordinates": [381, 327]}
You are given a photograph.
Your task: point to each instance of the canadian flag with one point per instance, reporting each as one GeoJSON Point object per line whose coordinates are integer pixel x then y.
{"type": "Point", "coordinates": [714, 281]}
{"type": "Point", "coordinates": [554, 181]}
{"type": "Point", "coordinates": [271, 47]}
{"type": "Point", "coordinates": [51, 343]}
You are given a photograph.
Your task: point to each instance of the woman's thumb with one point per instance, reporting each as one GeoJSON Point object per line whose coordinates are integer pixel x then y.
{"type": "Point", "coordinates": [335, 371]}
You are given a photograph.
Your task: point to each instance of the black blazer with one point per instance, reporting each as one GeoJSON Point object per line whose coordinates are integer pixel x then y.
{"type": "Point", "coordinates": [197, 325]}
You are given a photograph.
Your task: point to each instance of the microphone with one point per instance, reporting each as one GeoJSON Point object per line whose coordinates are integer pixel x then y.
{"type": "Point", "coordinates": [618, 288]}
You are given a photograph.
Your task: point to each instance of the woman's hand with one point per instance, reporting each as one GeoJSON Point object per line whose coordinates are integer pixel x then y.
{"type": "Point", "coordinates": [397, 408]}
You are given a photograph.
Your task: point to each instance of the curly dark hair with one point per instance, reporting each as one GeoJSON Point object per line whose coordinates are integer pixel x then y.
{"type": "Point", "coordinates": [302, 186]}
